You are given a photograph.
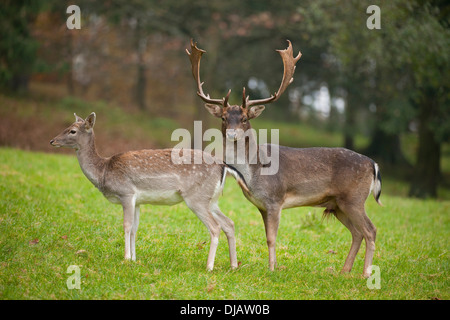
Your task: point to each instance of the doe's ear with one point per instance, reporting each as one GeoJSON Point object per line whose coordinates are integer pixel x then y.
{"type": "Point", "coordinates": [77, 118]}
{"type": "Point", "coordinates": [90, 121]}
{"type": "Point", "coordinates": [214, 110]}
{"type": "Point", "coordinates": [255, 111]}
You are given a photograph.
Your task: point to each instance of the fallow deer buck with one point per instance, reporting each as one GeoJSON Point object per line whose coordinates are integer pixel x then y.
{"type": "Point", "coordinates": [150, 177]}
{"type": "Point", "coordinates": [337, 179]}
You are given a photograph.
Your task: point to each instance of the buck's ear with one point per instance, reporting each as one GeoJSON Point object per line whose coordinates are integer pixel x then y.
{"type": "Point", "coordinates": [77, 118]}
{"type": "Point", "coordinates": [255, 111]}
{"type": "Point", "coordinates": [90, 121]}
{"type": "Point", "coordinates": [214, 110]}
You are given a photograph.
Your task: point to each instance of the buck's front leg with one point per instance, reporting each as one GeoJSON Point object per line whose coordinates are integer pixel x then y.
{"type": "Point", "coordinates": [128, 205]}
{"type": "Point", "coordinates": [271, 219]}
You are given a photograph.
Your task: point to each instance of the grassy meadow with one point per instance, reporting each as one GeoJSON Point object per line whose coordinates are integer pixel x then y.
{"type": "Point", "coordinates": [51, 217]}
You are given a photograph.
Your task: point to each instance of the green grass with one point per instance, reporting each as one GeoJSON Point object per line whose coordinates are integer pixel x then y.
{"type": "Point", "coordinates": [51, 217]}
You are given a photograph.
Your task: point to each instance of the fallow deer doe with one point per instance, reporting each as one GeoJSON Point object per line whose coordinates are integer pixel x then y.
{"type": "Point", "coordinates": [149, 176]}
{"type": "Point", "coordinates": [337, 179]}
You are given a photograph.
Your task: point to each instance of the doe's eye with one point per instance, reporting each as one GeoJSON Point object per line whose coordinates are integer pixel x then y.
{"type": "Point", "coordinates": [73, 131]}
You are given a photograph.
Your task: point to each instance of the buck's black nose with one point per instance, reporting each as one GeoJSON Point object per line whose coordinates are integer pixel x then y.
{"type": "Point", "coordinates": [51, 141]}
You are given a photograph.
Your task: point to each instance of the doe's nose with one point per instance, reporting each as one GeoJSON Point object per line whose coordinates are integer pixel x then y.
{"type": "Point", "coordinates": [52, 141]}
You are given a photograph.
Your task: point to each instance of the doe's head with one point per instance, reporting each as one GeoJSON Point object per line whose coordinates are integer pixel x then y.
{"type": "Point", "coordinates": [77, 134]}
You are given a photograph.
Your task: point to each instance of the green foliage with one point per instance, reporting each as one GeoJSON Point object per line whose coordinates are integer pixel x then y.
{"type": "Point", "coordinates": [51, 217]}
{"type": "Point", "coordinates": [422, 47]}
{"type": "Point", "coordinates": [17, 46]}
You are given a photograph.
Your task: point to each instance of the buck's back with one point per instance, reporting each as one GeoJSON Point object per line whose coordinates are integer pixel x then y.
{"type": "Point", "coordinates": [312, 176]}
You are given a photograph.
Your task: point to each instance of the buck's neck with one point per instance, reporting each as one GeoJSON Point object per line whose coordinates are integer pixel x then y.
{"type": "Point", "coordinates": [91, 163]}
{"type": "Point", "coordinates": [243, 154]}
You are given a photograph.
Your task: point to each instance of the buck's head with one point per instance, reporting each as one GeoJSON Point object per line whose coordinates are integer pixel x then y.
{"type": "Point", "coordinates": [236, 118]}
{"type": "Point", "coordinates": [76, 135]}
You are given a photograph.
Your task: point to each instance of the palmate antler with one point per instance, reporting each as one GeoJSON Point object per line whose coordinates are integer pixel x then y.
{"type": "Point", "coordinates": [195, 55]}
{"type": "Point", "coordinates": [289, 68]}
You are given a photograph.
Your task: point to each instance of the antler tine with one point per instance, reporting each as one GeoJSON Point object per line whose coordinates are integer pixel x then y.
{"type": "Point", "coordinates": [287, 55]}
{"type": "Point", "coordinates": [194, 56]}
{"type": "Point", "coordinates": [225, 100]}
{"type": "Point", "coordinates": [244, 99]}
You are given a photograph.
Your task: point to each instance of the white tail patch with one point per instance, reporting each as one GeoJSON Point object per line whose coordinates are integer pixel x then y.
{"type": "Point", "coordinates": [375, 187]}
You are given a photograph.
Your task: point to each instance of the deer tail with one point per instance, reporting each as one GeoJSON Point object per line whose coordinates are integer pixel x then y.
{"type": "Point", "coordinates": [376, 183]}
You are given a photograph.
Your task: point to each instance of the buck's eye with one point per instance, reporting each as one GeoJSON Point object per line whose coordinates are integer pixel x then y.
{"type": "Point", "coordinates": [73, 131]}
{"type": "Point", "coordinates": [223, 118]}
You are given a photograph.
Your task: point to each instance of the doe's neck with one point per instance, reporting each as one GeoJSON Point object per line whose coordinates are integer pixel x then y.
{"type": "Point", "coordinates": [90, 162]}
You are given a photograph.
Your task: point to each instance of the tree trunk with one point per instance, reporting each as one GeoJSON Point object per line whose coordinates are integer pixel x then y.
{"type": "Point", "coordinates": [386, 148]}
{"type": "Point", "coordinates": [350, 121]}
{"type": "Point", "coordinates": [140, 86]}
{"type": "Point", "coordinates": [19, 82]}
{"type": "Point", "coordinates": [69, 60]}
{"type": "Point", "coordinates": [427, 171]}
{"type": "Point", "coordinates": [141, 78]}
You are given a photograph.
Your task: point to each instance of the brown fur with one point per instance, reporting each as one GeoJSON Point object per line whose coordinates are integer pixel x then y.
{"type": "Point", "coordinates": [149, 176]}
{"type": "Point", "coordinates": [334, 178]}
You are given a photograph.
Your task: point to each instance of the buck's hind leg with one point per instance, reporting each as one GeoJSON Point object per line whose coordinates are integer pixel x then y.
{"type": "Point", "coordinates": [356, 240]}
{"type": "Point", "coordinates": [370, 246]}
{"type": "Point", "coordinates": [357, 215]}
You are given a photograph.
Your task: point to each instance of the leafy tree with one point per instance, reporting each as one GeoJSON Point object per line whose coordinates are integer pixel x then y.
{"type": "Point", "coordinates": [401, 69]}
{"type": "Point", "coordinates": [17, 46]}
{"type": "Point", "coordinates": [424, 47]}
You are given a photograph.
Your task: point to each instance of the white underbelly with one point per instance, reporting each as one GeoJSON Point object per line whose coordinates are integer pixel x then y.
{"type": "Point", "coordinates": [159, 197]}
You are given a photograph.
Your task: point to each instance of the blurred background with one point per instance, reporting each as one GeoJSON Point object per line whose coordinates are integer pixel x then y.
{"type": "Point", "coordinates": [382, 92]}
